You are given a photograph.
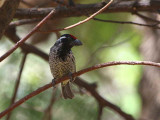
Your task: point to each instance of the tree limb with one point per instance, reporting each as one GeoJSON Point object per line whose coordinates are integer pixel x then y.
{"type": "Point", "coordinates": [19, 43]}
{"type": "Point", "coordinates": [98, 66]}
{"type": "Point", "coordinates": [86, 9]}
{"type": "Point", "coordinates": [129, 22]}
{"type": "Point", "coordinates": [7, 12]}
{"type": "Point", "coordinates": [11, 34]}
{"type": "Point", "coordinates": [146, 18]}
{"type": "Point", "coordinates": [100, 111]}
{"type": "Point", "coordinates": [48, 110]}
{"type": "Point", "coordinates": [23, 21]}
{"type": "Point", "coordinates": [17, 83]}
{"type": "Point", "coordinates": [83, 21]}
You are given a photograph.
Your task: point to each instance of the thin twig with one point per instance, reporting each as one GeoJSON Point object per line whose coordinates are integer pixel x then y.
{"type": "Point", "coordinates": [100, 112]}
{"type": "Point", "coordinates": [107, 46]}
{"type": "Point", "coordinates": [45, 87]}
{"type": "Point", "coordinates": [17, 83]}
{"type": "Point", "coordinates": [128, 22]}
{"type": "Point", "coordinates": [19, 43]}
{"type": "Point", "coordinates": [11, 34]}
{"type": "Point", "coordinates": [48, 110]}
{"type": "Point", "coordinates": [88, 9]}
{"type": "Point", "coordinates": [23, 22]}
{"type": "Point", "coordinates": [44, 21]}
{"type": "Point", "coordinates": [146, 18]}
{"type": "Point", "coordinates": [83, 21]}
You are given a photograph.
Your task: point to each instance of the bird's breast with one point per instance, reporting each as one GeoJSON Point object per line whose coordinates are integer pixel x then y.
{"type": "Point", "coordinates": [61, 67]}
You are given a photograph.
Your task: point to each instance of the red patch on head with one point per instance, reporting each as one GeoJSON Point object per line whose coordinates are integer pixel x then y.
{"type": "Point", "coordinates": [73, 36]}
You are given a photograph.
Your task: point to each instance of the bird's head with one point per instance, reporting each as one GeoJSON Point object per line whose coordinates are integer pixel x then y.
{"type": "Point", "coordinates": [64, 44]}
{"type": "Point", "coordinates": [68, 41]}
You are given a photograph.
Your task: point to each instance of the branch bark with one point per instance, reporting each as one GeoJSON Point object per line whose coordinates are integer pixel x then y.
{"type": "Point", "coordinates": [23, 22]}
{"type": "Point", "coordinates": [41, 89]}
{"type": "Point", "coordinates": [11, 34]}
{"type": "Point", "coordinates": [19, 43]}
{"type": "Point", "coordinates": [86, 9]}
{"type": "Point", "coordinates": [85, 20]}
{"type": "Point", "coordinates": [48, 110]}
{"type": "Point", "coordinates": [17, 83]}
{"type": "Point", "coordinates": [7, 12]}
{"type": "Point", "coordinates": [155, 25]}
{"type": "Point", "coordinates": [100, 112]}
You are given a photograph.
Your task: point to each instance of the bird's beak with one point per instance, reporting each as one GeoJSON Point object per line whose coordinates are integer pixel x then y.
{"type": "Point", "coordinates": [76, 43]}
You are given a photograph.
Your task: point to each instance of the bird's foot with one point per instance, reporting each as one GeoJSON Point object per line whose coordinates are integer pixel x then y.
{"type": "Point", "coordinates": [71, 77]}
{"type": "Point", "coordinates": [53, 83]}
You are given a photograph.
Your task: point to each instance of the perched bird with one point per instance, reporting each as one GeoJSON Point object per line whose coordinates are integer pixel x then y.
{"type": "Point", "coordinates": [62, 61]}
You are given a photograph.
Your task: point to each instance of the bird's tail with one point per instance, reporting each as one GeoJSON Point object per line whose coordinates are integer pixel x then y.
{"type": "Point", "coordinates": [66, 91]}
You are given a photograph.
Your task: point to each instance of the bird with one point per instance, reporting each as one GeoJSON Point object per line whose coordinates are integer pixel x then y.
{"type": "Point", "coordinates": [62, 62]}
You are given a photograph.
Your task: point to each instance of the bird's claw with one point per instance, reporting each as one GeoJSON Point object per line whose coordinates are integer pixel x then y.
{"type": "Point", "coordinates": [53, 83]}
{"type": "Point", "coordinates": [71, 77]}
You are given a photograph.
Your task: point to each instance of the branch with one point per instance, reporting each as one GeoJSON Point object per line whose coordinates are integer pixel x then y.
{"type": "Point", "coordinates": [11, 34]}
{"type": "Point", "coordinates": [48, 110]}
{"type": "Point", "coordinates": [17, 83]}
{"type": "Point", "coordinates": [83, 21]}
{"type": "Point", "coordinates": [41, 89]}
{"type": "Point", "coordinates": [44, 21]}
{"type": "Point", "coordinates": [86, 9]}
{"type": "Point", "coordinates": [101, 101]}
{"type": "Point", "coordinates": [146, 18]}
{"type": "Point", "coordinates": [100, 111]}
{"type": "Point", "coordinates": [92, 56]}
{"type": "Point", "coordinates": [128, 22]}
{"type": "Point", "coordinates": [19, 43]}
{"type": "Point", "coordinates": [22, 22]}
{"type": "Point", "coordinates": [29, 21]}
{"type": "Point", "coordinates": [7, 12]}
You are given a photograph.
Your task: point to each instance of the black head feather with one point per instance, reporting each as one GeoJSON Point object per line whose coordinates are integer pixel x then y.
{"type": "Point", "coordinates": [65, 43]}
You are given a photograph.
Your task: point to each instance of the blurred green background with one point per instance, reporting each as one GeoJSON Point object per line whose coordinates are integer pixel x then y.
{"type": "Point", "coordinates": [102, 42]}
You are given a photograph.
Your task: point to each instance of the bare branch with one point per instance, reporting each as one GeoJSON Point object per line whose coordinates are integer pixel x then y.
{"type": "Point", "coordinates": [7, 12]}
{"type": "Point", "coordinates": [22, 22]}
{"type": "Point", "coordinates": [41, 23]}
{"type": "Point", "coordinates": [100, 112]}
{"type": "Point", "coordinates": [107, 46]}
{"type": "Point", "coordinates": [147, 18]}
{"type": "Point", "coordinates": [83, 21]}
{"type": "Point", "coordinates": [48, 110]}
{"type": "Point", "coordinates": [19, 43]}
{"type": "Point", "coordinates": [128, 22]}
{"type": "Point", "coordinates": [11, 34]}
{"type": "Point", "coordinates": [45, 87]}
{"type": "Point", "coordinates": [17, 83]}
{"type": "Point", "coordinates": [86, 9]}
